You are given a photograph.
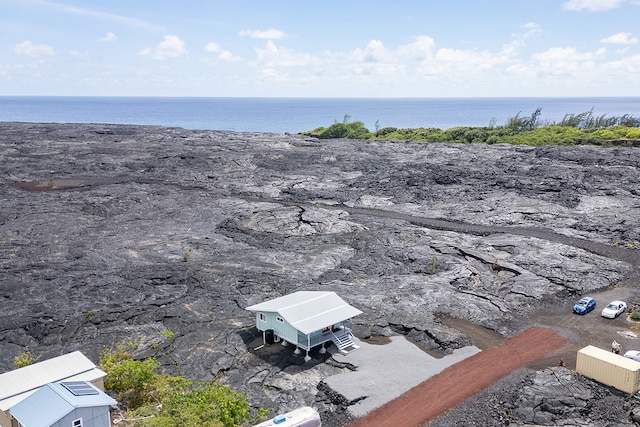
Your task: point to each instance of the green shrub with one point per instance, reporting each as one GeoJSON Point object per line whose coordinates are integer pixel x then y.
{"type": "Point", "coordinates": [316, 132]}
{"type": "Point", "coordinates": [467, 135]}
{"type": "Point", "coordinates": [548, 135]}
{"type": "Point", "coordinates": [607, 133]}
{"type": "Point", "coordinates": [24, 359]}
{"type": "Point", "coordinates": [201, 404]}
{"type": "Point", "coordinates": [635, 315]}
{"type": "Point", "coordinates": [385, 131]}
{"type": "Point", "coordinates": [128, 377]}
{"type": "Point", "coordinates": [633, 133]}
{"type": "Point", "coordinates": [353, 130]}
{"type": "Point", "coordinates": [167, 334]}
{"type": "Point", "coordinates": [415, 134]}
{"type": "Point", "coordinates": [165, 401]}
{"type": "Point", "coordinates": [336, 130]}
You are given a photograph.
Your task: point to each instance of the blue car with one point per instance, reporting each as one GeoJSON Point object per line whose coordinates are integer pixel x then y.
{"type": "Point", "coordinates": [585, 305]}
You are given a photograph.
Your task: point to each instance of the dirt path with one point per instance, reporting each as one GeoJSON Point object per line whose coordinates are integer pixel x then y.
{"type": "Point", "coordinates": [462, 380]}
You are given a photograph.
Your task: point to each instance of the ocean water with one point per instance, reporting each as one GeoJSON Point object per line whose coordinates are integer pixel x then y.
{"type": "Point", "coordinates": [293, 115]}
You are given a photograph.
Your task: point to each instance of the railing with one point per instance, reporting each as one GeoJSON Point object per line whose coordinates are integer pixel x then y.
{"type": "Point", "coordinates": [316, 340]}
{"type": "Point", "coordinates": [343, 339]}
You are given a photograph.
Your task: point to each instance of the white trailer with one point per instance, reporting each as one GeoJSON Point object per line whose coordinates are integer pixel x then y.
{"type": "Point", "coordinates": [301, 417]}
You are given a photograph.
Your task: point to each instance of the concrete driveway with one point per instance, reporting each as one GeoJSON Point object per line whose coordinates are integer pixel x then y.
{"type": "Point", "coordinates": [384, 372]}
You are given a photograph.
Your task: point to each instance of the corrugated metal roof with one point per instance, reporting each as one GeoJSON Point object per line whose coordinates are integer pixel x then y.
{"type": "Point", "coordinates": [309, 311]}
{"type": "Point", "coordinates": [52, 402]}
{"type": "Point", "coordinates": [18, 384]}
{"type": "Point", "coordinates": [611, 357]}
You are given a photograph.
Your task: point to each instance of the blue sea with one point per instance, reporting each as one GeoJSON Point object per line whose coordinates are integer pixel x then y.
{"type": "Point", "coordinates": [293, 115]}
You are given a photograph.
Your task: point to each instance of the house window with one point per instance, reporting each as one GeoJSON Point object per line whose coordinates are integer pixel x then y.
{"type": "Point", "coordinates": [263, 317]}
{"type": "Point", "coordinates": [77, 423]}
{"type": "Point", "coordinates": [279, 319]}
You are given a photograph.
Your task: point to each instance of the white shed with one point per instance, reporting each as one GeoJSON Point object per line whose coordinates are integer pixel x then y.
{"type": "Point", "coordinates": [307, 319]}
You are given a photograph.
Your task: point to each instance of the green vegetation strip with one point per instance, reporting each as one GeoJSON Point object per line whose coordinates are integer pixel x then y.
{"type": "Point", "coordinates": [574, 129]}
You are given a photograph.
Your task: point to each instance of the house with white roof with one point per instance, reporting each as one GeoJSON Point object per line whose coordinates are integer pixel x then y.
{"type": "Point", "coordinates": [64, 404]}
{"type": "Point", "coordinates": [19, 384]}
{"type": "Point", "coordinates": [307, 319]}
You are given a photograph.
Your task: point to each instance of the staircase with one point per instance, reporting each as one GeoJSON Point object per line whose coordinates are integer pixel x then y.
{"type": "Point", "coordinates": [344, 342]}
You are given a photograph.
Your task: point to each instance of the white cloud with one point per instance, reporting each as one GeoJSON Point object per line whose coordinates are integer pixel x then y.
{"type": "Point", "coordinates": [374, 52]}
{"type": "Point", "coordinates": [531, 29]}
{"type": "Point", "coordinates": [108, 37]}
{"type": "Point", "coordinates": [521, 69]}
{"type": "Point", "coordinates": [222, 54]}
{"type": "Point", "coordinates": [566, 54]}
{"type": "Point", "coordinates": [530, 25]}
{"type": "Point", "coordinates": [273, 56]}
{"type": "Point", "coordinates": [373, 60]}
{"type": "Point", "coordinates": [376, 64]}
{"type": "Point", "coordinates": [468, 61]}
{"type": "Point", "coordinates": [620, 38]}
{"type": "Point", "coordinates": [592, 5]}
{"type": "Point", "coordinates": [27, 48]}
{"type": "Point", "coordinates": [270, 34]}
{"type": "Point", "coordinates": [169, 47]}
{"type": "Point", "coordinates": [78, 55]}
{"type": "Point", "coordinates": [363, 63]}
{"type": "Point", "coordinates": [212, 47]}
{"type": "Point", "coordinates": [421, 66]}
{"type": "Point", "coordinates": [271, 74]}
{"type": "Point", "coordinates": [564, 61]}
{"type": "Point", "coordinates": [626, 67]}
{"type": "Point", "coordinates": [421, 49]}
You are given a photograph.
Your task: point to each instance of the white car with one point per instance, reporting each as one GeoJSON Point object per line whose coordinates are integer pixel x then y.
{"type": "Point", "coordinates": [633, 354]}
{"type": "Point", "coordinates": [614, 309]}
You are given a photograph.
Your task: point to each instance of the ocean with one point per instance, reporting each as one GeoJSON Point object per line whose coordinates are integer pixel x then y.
{"type": "Point", "coordinates": [294, 115]}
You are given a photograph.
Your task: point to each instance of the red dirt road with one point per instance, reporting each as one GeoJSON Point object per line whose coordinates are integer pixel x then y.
{"type": "Point", "coordinates": [457, 383]}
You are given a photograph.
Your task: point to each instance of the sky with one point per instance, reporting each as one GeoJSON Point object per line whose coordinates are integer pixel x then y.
{"type": "Point", "coordinates": [328, 48]}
